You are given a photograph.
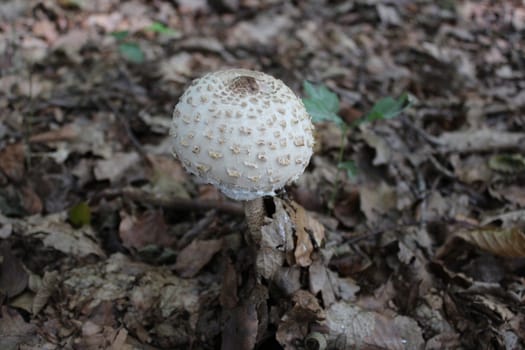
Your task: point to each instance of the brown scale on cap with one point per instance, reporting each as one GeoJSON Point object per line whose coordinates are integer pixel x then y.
{"type": "Point", "coordinates": [242, 131]}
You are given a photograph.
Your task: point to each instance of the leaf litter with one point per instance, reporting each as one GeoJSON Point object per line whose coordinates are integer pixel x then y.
{"type": "Point", "coordinates": [405, 232]}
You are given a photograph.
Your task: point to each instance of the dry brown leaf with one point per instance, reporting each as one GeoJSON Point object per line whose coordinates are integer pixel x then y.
{"type": "Point", "coordinates": [293, 327]}
{"type": "Point", "coordinates": [276, 241]}
{"type": "Point", "coordinates": [307, 229]}
{"type": "Point", "coordinates": [229, 298]}
{"type": "Point", "coordinates": [195, 256]}
{"type": "Point", "coordinates": [508, 242]}
{"type": "Point", "coordinates": [350, 327]}
{"type": "Point", "coordinates": [241, 325]}
{"type": "Point", "coordinates": [66, 133]}
{"type": "Point", "coordinates": [148, 228]}
{"type": "Point", "coordinates": [377, 200]}
{"type": "Point", "coordinates": [513, 193]}
{"type": "Point", "coordinates": [30, 200]}
{"type": "Point", "coordinates": [12, 161]}
{"type": "Point", "coordinates": [320, 282]}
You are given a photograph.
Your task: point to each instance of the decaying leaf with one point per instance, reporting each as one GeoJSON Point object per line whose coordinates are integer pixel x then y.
{"type": "Point", "coordinates": [46, 289]}
{"type": "Point", "coordinates": [146, 296]}
{"type": "Point", "coordinates": [320, 282]}
{"type": "Point", "coordinates": [293, 327]}
{"type": "Point", "coordinates": [12, 161]}
{"type": "Point", "coordinates": [377, 200]}
{"type": "Point", "coordinates": [508, 242]}
{"type": "Point", "coordinates": [195, 256]}
{"type": "Point", "coordinates": [56, 233]}
{"type": "Point", "coordinates": [276, 241]}
{"type": "Point", "coordinates": [14, 331]}
{"type": "Point", "coordinates": [148, 228]}
{"type": "Point", "coordinates": [351, 327]}
{"type": "Point", "coordinates": [512, 193]}
{"type": "Point", "coordinates": [508, 163]}
{"type": "Point", "coordinates": [13, 277]}
{"type": "Point", "coordinates": [114, 168]}
{"type": "Point", "coordinates": [240, 328]}
{"type": "Point", "coordinates": [308, 232]}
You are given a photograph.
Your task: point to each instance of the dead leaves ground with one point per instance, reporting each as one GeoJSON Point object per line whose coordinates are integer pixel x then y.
{"type": "Point", "coordinates": [423, 250]}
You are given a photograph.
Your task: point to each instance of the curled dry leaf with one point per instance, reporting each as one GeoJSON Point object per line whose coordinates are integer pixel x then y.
{"type": "Point", "coordinates": [46, 289]}
{"type": "Point", "coordinates": [508, 242]}
{"type": "Point", "coordinates": [309, 233]}
{"type": "Point", "coordinates": [276, 241]}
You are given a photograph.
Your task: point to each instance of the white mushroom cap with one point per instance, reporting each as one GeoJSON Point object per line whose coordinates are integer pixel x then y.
{"type": "Point", "coordinates": [243, 131]}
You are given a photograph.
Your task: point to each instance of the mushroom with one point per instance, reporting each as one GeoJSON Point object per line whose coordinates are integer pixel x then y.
{"type": "Point", "coordinates": [244, 132]}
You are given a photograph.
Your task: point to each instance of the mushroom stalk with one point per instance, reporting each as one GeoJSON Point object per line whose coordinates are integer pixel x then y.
{"type": "Point", "coordinates": [255, 213]}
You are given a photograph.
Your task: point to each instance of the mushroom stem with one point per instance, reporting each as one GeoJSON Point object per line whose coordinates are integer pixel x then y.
{"type": "Point", "coordinates": [255, 213]}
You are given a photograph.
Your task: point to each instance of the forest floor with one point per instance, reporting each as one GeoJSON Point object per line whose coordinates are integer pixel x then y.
{"type": "Point", "coordinates": [106, 242]}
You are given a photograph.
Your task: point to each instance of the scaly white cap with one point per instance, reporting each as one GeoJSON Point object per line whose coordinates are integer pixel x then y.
{"type": "Point", "coordinates": [243, 131]}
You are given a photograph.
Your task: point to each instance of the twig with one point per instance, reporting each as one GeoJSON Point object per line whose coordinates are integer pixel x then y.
{"type": "Point", "coordinates": [196, 229]}
{"type": "Point", "coordinates": [182, 204]}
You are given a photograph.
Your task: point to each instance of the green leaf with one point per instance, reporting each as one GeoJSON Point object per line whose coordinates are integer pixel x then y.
{"type": "Point", "coordinates": [507, 163]}
{"type": "Point", "coordinates": [322, 104]}
{"type": "Point", "coordinates": [80, 215]}
{"type": "Point", "coordinates": [120, 35]}
{"type": "Point", "coordinates": [160, 28]}
{"type": "Point", "coordinates": [387, 108]}
{"type": "Point", "coordinates": [350, 167]}
{"type": "Point", "coordinates": [132, 52]}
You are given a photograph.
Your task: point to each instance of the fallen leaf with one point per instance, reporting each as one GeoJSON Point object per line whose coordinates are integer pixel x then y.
{"type": "Point", "coordinates": [195, 256]}
{"type": "Point", "coordinates": [168, 176]}
{"type": "Point", "coordinates": [115, 168]}
{"type": "Point", "coordinates": [65, 133]}
{"type": "Point", "coordinates": [507, 163]}
{"type": "Point", "coordinates": [377, 200]}
{"type": "Point", "coordinates": [229, 298]}
{"type": "Point", "coordinates": [351, 327]}
{"type": "Point", "coordinates": [30, 200]}
{"type": "Point", "coordinates": [240, 327]}
{"type": "Point", "coordinates": [46, 289]}
{"type": "Point", "coordinates": [276, 241]}
{"type": "Point", "coordinates": [293, 327]}
{"type": "Point", "coordinates": [56, 233]}
{"type": "Point", "coordinates": [148, 228]}
{"type": "Point", "coordinates": [13, 277]}
{"type": "Point", "coordinates": [513, 193]}
{"type": "Point", "coordinates": [12, 161]}
{"type": "Point", "coordinates": [508, 242]}
{"type": "Point", "coordinates": [14, 331]}
{"type": "Point", "coordinates": [307, 229]}
{"type": "Point", "coordinates": [320, 282]}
